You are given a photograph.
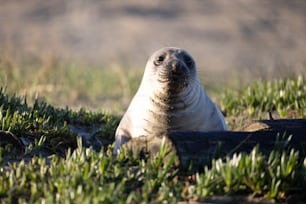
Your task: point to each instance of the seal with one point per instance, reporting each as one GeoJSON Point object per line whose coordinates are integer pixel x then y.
{"type": "Point", "coordinates": [169, 98]}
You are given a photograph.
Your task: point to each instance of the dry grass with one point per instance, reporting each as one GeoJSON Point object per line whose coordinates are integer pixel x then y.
{"type": "Point", "coordinates": [237, 39]}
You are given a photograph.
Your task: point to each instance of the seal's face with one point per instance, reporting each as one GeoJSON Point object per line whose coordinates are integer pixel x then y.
{"type": "Point", "coordinates": [173, 69]}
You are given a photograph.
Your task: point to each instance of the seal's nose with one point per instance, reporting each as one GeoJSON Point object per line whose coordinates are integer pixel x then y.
{"type": "Point", "coordinates": [176, 67]}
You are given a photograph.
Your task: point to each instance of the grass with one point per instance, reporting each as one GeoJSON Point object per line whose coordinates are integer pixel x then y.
{"type": "Point", "coordinates": [57, 167]}
{"type": "Point", "coordinates": [284, 98]}
{"type": "Point", "coordinates": [61, 83]}
{"type": "Point", "coordinates": [86, 176]}
{"type": "Point", "coordinates": [43, 120]}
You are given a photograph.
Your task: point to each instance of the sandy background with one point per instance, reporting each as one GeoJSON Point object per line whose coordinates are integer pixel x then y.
{"type": "Point", "coordinates": [244, 38]}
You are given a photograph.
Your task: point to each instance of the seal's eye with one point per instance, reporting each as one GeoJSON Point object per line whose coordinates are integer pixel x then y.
{"type": "Point", "coordinates": [188, 61]}
{"type": "Point", "coordinates": [159, 60]}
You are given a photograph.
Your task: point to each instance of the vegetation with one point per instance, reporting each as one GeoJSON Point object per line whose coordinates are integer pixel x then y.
{"type": "Point", "coordinates": [63, 83]}
{"type": "Point", "coordinates": [57, 167]}
{"type": "Point", "coordinates": [86, 176]}
{"type": "Point", "coordinates": [282, 98]}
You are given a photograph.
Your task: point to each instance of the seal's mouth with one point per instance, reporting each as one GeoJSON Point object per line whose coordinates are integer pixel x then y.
{"type": "Point", "coordinates": [173, 82]}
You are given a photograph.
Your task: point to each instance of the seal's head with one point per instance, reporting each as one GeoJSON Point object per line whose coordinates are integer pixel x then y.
{"type": "Point", "coordinates": [170, 69]}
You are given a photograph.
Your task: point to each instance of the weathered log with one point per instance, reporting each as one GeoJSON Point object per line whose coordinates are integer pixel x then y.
{"type": "Point", "coordinates": [198, 148]}
{"type": "Point", "coordinates": [281, 125]}
{"type": "Point", "coordinates": [16, 145]}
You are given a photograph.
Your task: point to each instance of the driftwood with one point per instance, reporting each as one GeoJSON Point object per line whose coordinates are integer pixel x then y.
{"type": "Point", "coordinates": [198, 148]}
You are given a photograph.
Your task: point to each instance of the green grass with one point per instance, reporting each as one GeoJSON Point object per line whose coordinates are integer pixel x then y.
{"type": "Point", "coordinates": [280, 95]}
{"type": "Point", "coordinates": [44, 120]}
{"type": "Point", "coordinates": [284, 98]}
{"type": "Point", "coordinates": [56, 167]}
{"type": "Point", "coordinates": [86, 176]}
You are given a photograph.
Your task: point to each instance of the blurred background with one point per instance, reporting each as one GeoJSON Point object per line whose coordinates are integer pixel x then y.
{"type": "Point", "coordinates": [92, 52]}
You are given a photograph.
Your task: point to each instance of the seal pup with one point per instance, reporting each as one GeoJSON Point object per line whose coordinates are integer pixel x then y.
{"type": "Point", "coordinates": [169, 98]}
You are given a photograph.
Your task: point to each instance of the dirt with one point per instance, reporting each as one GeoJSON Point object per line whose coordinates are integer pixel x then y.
{"type": "Point", "coordinates": [244, 39]}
